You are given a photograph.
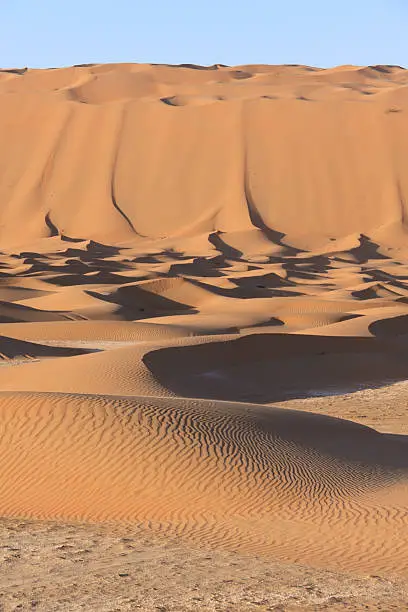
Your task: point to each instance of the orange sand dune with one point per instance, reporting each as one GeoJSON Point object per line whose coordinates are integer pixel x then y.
{"type": "Point", "coordinates": [173, 238]}
{"type": "Point", "coordinates": [96, 331]}
{"type": "Point", "coordinates": [265, 479]}
{"type": "Point", "coordinates": [210, 150]}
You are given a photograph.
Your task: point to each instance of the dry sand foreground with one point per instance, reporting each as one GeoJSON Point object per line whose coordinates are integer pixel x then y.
{"type": "Point", "coordinates": [204, 338]}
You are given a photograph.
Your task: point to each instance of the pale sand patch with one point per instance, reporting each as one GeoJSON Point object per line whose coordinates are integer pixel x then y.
{"type": "Point", "coordinates": [56, 566]}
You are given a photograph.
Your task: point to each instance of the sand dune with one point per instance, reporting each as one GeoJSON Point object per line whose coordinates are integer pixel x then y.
{"type": "Point", "coordinates": [266, 479]}
{"type": "Point", "coordinates": [235, 180]}
{"type": "Point", "coordinates": [178, 245]}
{"type": "Point", "coordinates": [258, 367]}
{"type": "Point", "coordinates": [96, 331]}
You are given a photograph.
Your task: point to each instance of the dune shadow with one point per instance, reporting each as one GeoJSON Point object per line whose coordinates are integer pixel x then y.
{"type": "Point", "coordinates": [263, 368]}
{"type": "Point", "coordinates": [136, 303]}
{"type": "Point", "coordinates": [367, 250]}
{"type": "Point", "coordinates": [394, 326]}
{"type": "Point", "coordinates": [200, 266]}
{"type": "Point", "coordinates": [11, 312]}
{"type": "Point", "coordinates": [11, 348]}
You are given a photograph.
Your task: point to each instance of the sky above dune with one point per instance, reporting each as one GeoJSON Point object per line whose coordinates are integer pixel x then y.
{"type": "Point", "coordinates": [46, 33]}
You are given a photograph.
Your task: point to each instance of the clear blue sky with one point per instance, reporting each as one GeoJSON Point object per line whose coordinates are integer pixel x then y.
{"type": "Point", "coordinates": [46, 33]}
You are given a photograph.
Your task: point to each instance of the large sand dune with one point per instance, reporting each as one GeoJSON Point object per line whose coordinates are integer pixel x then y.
{"type": "Point", "coordinates": [179, 245]}
{"type": "Point", "coordinates": [314, 155]}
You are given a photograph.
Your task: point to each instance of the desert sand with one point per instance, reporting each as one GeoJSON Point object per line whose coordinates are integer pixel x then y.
{"type": "Point", "coordinates": [204, 337]}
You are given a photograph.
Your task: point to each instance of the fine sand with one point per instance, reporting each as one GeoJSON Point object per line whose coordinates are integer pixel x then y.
{"type": "Point", "coordinates": [204, 338]}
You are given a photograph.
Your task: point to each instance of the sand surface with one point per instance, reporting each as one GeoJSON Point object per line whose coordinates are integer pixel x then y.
{"type": "Point", "coordinates": [204, 337]}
